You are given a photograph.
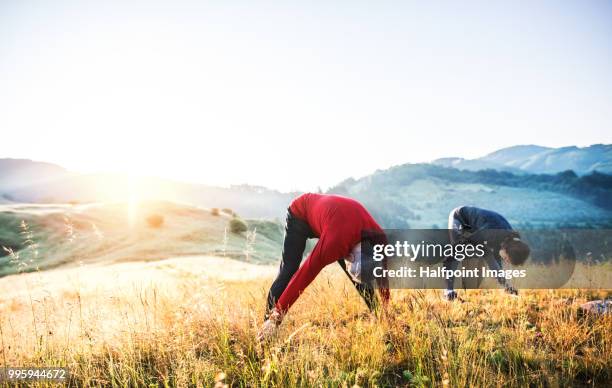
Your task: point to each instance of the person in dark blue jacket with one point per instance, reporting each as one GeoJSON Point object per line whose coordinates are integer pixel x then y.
{"type": "Point", "coordinates": [474, 225]}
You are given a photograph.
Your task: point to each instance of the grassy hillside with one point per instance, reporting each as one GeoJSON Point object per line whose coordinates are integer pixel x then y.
{"type": "Point", "coordinates": [421, 196]}
{"type": "Point", "coordinates": [193, 321]}
{"type": "Point", "coordinates": [47, 236]}
{"type": "Point", "coordinates": [566, 197]}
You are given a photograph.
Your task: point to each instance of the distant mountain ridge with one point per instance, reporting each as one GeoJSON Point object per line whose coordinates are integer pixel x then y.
{"type": "Point", "coordinates": [539, 160]}
{"type": "Point", "coordinates": [16, 173]}
{"type": "Point", "coordinates": [410, 195]}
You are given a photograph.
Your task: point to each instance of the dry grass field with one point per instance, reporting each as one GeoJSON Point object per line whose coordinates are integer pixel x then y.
{"type": "Point", "coordinates": [192, 322]}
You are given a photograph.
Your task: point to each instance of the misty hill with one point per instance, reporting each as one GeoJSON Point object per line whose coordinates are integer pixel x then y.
{"type": "Point", "coordinates": [422, 195]}
{"type": "Point", "coordinates": [539, 160]}
{"type": "Point", "coordinates": [474, 165]}
{"type": "Point", "coordinates": [20, 173]}
{"type": "Point", "coordinates": [24, 180]}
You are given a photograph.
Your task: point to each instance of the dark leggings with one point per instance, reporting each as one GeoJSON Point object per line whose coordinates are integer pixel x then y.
{"type": "Point", "coordinates": [296, 234]}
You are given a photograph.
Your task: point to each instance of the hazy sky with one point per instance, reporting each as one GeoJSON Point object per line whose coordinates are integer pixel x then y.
{"type": "Point", "coordinates": [297, 95]}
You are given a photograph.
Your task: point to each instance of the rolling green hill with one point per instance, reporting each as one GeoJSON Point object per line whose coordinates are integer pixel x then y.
{"type": "Point", "coordinates": [47, 236]}
{"type": "Point", "coordinates": [422, 195]}
{"type": "Point", "coordinates": [410, 195]}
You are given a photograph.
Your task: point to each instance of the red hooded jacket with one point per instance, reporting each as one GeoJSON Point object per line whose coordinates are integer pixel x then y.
{"type": "Point", "coordinates": [338, 222]}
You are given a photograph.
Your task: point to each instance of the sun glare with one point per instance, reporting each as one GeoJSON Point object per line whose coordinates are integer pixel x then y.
{"type": "Point", "coordinates": [133, 200]}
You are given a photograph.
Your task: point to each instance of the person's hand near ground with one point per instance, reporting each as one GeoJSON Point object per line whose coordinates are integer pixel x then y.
{"type": "Point", "coordinates": [511, 291]}
{"type": "Point", "coordinates": [270, 326]}
{"type": "Point", "coordinates": [450, 295]}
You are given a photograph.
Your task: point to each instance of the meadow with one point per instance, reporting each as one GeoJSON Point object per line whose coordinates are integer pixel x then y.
{"type": "Point", "coordinates": [191, 320]}
{"type": "Point", "coordinates": [186, 329]}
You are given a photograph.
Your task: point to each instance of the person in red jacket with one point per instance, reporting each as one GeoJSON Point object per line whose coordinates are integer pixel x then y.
{"type": "Point", "coordinates": [338, 222]}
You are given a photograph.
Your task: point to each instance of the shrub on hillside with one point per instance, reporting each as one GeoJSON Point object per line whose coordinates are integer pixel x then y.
{"type": "Point", "coordinates": [228, 211]}
{"type": "Point", "coordinates": [155, 220]}
{"type": "Point", "coordinates": [237, 225]}
{"type": "Point", "coordinates": [214, 211]}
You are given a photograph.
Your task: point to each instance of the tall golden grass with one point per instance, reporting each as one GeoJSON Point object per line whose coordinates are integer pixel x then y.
{"type": "Point", "coordinates": [201, 333]}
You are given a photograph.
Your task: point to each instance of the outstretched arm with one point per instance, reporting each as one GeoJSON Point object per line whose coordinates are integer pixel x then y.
{"type": "Point", "coordinates": [494, 264]}
{"type": "Point", "coordinates": [322, 254]}
{"type": "Point", "coordinates": [455, 225]}
{"type": "Point", "coordinates": [451, 264]}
